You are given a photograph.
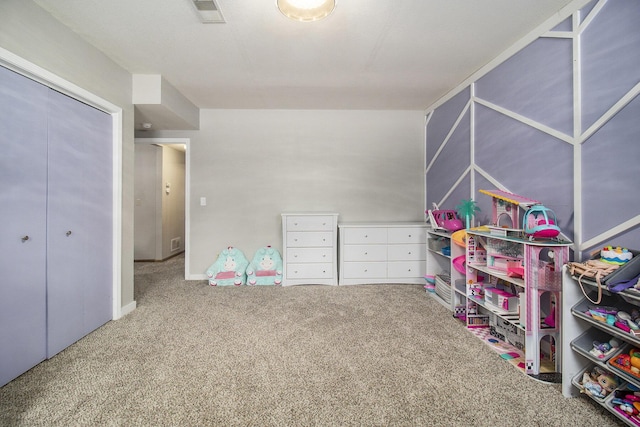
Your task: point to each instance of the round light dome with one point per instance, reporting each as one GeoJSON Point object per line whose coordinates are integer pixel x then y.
{"type": "Point", "coordinates": [306, 10]}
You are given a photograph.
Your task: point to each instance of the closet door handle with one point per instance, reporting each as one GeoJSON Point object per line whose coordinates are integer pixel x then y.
{"type": "Point", "coordinates": [25, 238]}
{"type": "Point", "coordinates": [68, 233]}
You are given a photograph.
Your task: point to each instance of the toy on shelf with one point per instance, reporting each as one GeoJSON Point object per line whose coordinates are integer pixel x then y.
{"type": "Point", "coordinates": [540, 222]}
{"type": "Point", "coordinates": [444, 219]}
{"type": "Point", "coordinates": [599, 383]}
{"type": "Point", "coordinates": [265, 268]}
{"type": "Point", "coordinates": [505, 207]}
{"type": "Point", "coordinates": [603, 349]}
{"type": "Point", "coordinates": [629, 363]}
{"type": "Point", "coordinates": [467, 209]}
{"type": "Point", "coordinates": [617, 255]}
{"type": "Point", "coordinates": [229, 269]}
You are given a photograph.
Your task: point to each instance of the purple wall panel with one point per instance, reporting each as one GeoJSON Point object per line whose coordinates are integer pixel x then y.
{"type": "Point", "coordinates": [451, 163]}
{"type": "Point", "coordinates": [610, 161]}
{"type": "Point", "coordinates": [584, 12]}
{"type": "Point", "coordinates": [528, 162]}
{"type": "Point", "coordinates": [483, 201]}
{"type": "Point", "coordinates": [536, 83]}
{"type": "Point", "coordinates": [443, 120]}
{"type": "Point", "coordinates": [611, 57]}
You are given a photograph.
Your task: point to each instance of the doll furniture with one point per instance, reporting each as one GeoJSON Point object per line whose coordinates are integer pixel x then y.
{"type": "Point", "coordinates": [229, 269]}
{"type": "Point", "coordinates": [265, 268]}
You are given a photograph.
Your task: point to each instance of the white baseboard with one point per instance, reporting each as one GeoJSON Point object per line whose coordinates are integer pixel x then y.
{"type": "Point", "coordinates": [197, 277]}
{"type": "Point", "coordinates": [127, 309]}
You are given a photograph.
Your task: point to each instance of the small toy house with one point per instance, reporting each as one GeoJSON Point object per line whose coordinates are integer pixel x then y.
{"type": "Point", "coordinates": [505, 208]}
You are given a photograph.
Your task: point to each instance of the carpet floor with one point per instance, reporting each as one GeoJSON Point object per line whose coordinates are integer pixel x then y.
{"type": "Point", "coordinates": [371, 355]}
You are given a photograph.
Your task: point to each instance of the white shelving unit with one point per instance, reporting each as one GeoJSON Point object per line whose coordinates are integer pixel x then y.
{"type": "Point", "coordinates": [520, 290]}
{"type": "Point", "coordinates": [580, 330]}
{"type": "Point", "coordinates": [439, 265]}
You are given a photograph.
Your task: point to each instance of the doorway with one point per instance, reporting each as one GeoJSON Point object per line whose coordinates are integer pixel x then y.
{"type": "Point", "coordinates": [161, 195]}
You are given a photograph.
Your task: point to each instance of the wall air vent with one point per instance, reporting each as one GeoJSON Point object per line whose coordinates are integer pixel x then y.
{"type": "Point", "coordinates": [208, 11]}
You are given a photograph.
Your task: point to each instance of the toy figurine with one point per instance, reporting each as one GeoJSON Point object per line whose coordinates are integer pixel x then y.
{"type": "Point", "coordinates": [599, 383]}
{"type": "Point", "coordinates": [601, 350]}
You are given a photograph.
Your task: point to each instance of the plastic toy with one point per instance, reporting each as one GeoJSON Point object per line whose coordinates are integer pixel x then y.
{"type": "Point", "coordinates": [505, 207]}
{"type": "Point", "coordinates": [599, 383]}
{"type": "Point", "coordinates": [229, 269]}
{"type": "Point", "coordinates": [540, 222]}
{"type": "Point", "coordinates": [604, 349]}
{"type": "Point", "coordinates": [265, 268]}
{"type": "Point", "coordinates": [459, 237]}
{"type": "Point", "coordinates": [467, 209]}
{"type": "Point", "coordinates": [447, 219]}
{"type": "Point", "coordinates": [459, 264]}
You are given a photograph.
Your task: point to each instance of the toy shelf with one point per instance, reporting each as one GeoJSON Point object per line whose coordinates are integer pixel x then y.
{"type": "Point", "coordinates": [519, 289]}
{"type": "Point", "coordinates": [581, 329]}
{"type": "Point", "coordinates": [439, 260]}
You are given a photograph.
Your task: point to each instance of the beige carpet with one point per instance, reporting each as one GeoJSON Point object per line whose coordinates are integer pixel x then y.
{"type": "Point", "coordinates": [193, 355]}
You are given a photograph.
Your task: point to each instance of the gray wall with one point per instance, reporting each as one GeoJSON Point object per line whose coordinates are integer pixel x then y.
{"type": "Point", "coordinates": [252, 165]}
{"type": "Point", "coordinates": [32, 34]}
{"type": "Point", "coordinates": [159, 217]}
{"type": "Point", "coordinates": [148, 202]}
{"type": "Point", "coordinates": [173, 203]}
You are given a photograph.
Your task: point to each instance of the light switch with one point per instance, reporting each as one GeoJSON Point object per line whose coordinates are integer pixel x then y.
{"type": "Point", "coordinates": [203, 201]}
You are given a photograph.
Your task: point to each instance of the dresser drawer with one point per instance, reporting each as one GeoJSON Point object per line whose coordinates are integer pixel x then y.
{"type": "Point", "coordinates": [310, 271]}
{"type": "Point", "coordinates": [364, 252]}
{"type": "Point", "coordinates": [364, 236]}
{"type": "Point", "coordinates": [297, 255]}
{"type": "Point", "coordinates": [309, 238]}
{"type": "Point", "coordinates": [364, 270]}
{"type": "Point", "coordinates": [310, 223]}
{"type": "Point", "coordinates": [410, 252]}
{"type": "Point", "coordinates": [407, 235]}
{"type": "Point", "coordinates": [408, 269]}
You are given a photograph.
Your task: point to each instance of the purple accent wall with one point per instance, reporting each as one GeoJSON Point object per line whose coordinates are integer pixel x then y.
{"type": "Point", "coordinates": [537, 83]}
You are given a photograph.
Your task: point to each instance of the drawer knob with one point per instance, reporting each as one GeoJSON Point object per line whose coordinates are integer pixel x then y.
{"type": "Point", "coordinates": [409, 252]}
{"type": "Point", "coordinates": [409, 235]}
{"type": "Point", "coordinates": [366, 253]}
{"type": "Point", "coordinates": [25, 238]}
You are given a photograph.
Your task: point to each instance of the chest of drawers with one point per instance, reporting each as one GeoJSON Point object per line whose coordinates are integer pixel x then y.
{"type": "Point", "coordinates": [382, 253]}
{"type": "Point", "coordinates": [309, 243]}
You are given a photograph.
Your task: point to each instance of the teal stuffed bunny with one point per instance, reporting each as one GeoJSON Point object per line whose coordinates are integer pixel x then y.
{"type": "Point", "coordinates": [229, 269]}
{"type": "Point", "coordinates": [265, 268]}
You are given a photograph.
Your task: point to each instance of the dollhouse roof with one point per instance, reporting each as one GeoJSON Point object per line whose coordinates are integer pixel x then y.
{"type": "Point", "coordinates": [525, 202]}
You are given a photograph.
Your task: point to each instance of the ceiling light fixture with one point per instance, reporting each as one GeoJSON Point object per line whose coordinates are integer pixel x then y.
{"type": "Point", "coordinates": [306, 10]}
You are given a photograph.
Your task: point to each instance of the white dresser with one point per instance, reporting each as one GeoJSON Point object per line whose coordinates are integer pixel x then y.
{"type": "Point", "coordinates": [382, 253]}
{"type": "Point", "coordinates": [309, 248]}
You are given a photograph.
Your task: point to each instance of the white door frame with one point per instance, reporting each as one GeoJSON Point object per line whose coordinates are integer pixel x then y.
{"type": "Point", "coordinates": [187, 191]}
{"type": "Point", "coordinates": [34, 72]}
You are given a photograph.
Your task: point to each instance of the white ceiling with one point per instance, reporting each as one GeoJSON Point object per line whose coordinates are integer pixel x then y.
{"type": "Point", "coordinates": [369, 54]}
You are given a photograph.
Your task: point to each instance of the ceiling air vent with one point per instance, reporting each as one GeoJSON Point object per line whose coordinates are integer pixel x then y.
{"type": "Point", "coordinates": [208, 11]}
